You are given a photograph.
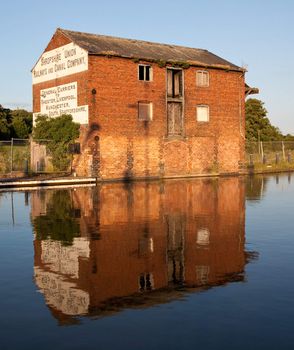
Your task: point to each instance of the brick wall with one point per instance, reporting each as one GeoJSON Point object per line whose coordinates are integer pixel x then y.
{"type": "Point", "coordinates": [127, 147]}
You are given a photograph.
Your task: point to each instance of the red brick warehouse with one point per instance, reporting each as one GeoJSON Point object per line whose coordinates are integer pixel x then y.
{"type": "Point", "coordinates": [145, 109]}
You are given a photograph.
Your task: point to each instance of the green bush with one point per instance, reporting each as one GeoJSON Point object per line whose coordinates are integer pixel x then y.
{"type": "Point", "coordinates": [60, 132]}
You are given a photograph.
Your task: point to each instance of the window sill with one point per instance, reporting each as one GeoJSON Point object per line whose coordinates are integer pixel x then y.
{"type": "Point", "coordinates": [175, 138]}
{"type": "Point", "coordinates": [175, 99]}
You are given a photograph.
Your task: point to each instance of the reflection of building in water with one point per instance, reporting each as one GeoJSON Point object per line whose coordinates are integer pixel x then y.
{"type": "Point", "coordinates": [138, 244]}
{"type": "Point", "coordinates": [56, 272]}
{"type": "Point", "coordinates": [256, 187]}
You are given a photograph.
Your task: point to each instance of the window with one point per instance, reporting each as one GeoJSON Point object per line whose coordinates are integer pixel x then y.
{"type": "Point", "coordinates": [202, 113]}
{"type": "Point", "coordinates": [145, 111]}
{"type": "Point", "coordinates": [203, 236]}
{"type": "Point", "coordinates": [145, 246]}
{"type": "Point", "coordinates": [146, 282]}
{"type": "Point", "coordinates": [145, 72]}
{"type": "Point", "coordinates": [202, 273]}
{"type": "Point", "coordinates": [202, 78]}
{"type": "Point", "coordinates": [74, 148]}
{"type": "Point", "coordinates": [174, 83]}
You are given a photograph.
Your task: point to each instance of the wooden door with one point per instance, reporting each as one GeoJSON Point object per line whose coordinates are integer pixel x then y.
{"type": "Point", "coordinates": [174, 118]}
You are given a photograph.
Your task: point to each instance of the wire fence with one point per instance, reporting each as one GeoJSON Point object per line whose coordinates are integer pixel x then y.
{"type": "Point", "coordinates": [33, 156]}
{"type": "Point", "coordinates": [24, 156]}
{"type": "Point", "coordinates": [270, 152]}
{"type": "Point", "coordinates": [14, 156]}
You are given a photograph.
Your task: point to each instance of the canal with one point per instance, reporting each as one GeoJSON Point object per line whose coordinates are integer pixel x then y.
{"type": "Point", "coordinates": [179, 264]}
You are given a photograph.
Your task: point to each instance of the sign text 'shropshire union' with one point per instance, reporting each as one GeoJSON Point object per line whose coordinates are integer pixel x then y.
{"type": "Point", "coordinates": [57, 63]}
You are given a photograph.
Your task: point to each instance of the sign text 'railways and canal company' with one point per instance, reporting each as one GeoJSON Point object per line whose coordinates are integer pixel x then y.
{"type": "Point", "coordinates": [60, 62]}
{"type": "Point", "coordinates": [62, 99]}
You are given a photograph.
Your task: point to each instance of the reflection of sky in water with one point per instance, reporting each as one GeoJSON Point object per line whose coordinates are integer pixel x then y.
{"type": "Point", "coordinates": [13, 208]}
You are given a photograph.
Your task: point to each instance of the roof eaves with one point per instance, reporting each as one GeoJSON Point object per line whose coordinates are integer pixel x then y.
{"type": "Point", "coordinates": [250, 90]}
{"type": "Point", "coordinates": [170, 61]}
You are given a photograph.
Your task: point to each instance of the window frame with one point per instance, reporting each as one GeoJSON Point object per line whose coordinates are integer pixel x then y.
{"type": "Point", "coordinates": [174, 83]}
{"type": "Point", "coordinates": [150, 111]}
{"type": "Point", "coordinates": [199, 82]}
{"type": "Point", "coordinates": [208, 113]}
{"type": "Point", "coordinates": [150, 72]}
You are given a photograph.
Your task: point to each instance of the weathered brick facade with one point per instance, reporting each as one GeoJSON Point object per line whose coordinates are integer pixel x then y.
{"type": "Point", "coordinates": [116, 144]}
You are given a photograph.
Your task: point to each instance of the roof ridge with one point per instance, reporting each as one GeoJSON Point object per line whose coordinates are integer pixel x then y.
{"type": "Point", "coordinates": [133, 40]}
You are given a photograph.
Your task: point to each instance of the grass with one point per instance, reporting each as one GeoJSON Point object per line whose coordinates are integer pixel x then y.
{"type": "Point", "coordinates": [20, 155]}
{"type": "Point", "coordinates": [271, 167]}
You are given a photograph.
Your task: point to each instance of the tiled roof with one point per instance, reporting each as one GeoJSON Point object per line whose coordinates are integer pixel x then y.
{"type": "Point", "coordinates": [145, 50]}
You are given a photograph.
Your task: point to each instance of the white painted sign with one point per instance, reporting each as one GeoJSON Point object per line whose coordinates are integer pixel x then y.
{"type": "Point", "coordinates": [60, 62]}
{"type": "Point", "coordinates": [63, 99]}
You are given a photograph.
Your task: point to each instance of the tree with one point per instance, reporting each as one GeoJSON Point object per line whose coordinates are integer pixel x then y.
{"type": "Point", "coordinates": [15, 123]}
{"type": "Point", "coordinates": [258, 126]}
{"type": "Point", "coordinates": [22, 123]}
{"type": "Point", "coordinates": [61, 131]}
{"type": "Point", "coordinates": [4, 123]}
{"type": "Point", "coordinates": [59, 223]}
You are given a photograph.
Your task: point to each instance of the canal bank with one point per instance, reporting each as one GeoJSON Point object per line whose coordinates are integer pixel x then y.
{"type": "Point", "coordinates": [67, 180]}
{"type": "Point", "coordinates": [44, 181]}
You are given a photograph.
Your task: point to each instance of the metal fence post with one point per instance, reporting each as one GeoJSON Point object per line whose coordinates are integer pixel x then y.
{"type": "Point", "coordinates": [283, 150]}
{"type": "Point", "coordinates": [11, 155]}
{"type": "Point", "coordinates": [26, 166]}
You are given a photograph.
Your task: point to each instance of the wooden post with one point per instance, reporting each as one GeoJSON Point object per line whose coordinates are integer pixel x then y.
{"type": "Point", "coordinates": [277, 158]}
{"type": "Point", "coordinates": [264, 159]}
{"type": "Point", "coordinates": [251, 159]}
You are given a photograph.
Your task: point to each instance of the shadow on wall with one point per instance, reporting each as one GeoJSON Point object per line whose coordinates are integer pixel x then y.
{"type": "Point", "coordinates": [89, 139]}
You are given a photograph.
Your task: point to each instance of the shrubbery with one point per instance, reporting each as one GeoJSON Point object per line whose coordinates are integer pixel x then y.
{"type": "Point", "coordinates": [59, 132]}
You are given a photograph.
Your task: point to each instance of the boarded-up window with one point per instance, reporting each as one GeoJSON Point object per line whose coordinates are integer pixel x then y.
{"type": "Point", "coordinates": [145, 72]}
{"type": "Point", "coordinates": [202, 273]}
{"type": "Point", "coordinates": [203, 236]}
{"type": "Point", "coordinates": [202, 78]}
{"type": "Point", "coordinates": [174, 118]}
{"type": "Point", "coordinates": [202, 113]}
{"type": "Point", "coordinates": [174, 83]}
{"type": "Point", "coordinates": [145, 111]}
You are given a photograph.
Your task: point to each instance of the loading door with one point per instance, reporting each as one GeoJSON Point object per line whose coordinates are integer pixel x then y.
{"type": "Point", "coordinates": [174, 118]}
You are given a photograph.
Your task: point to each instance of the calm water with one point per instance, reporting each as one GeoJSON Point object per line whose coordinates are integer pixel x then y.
{"type": "Point", "coordinates": [205, 264]}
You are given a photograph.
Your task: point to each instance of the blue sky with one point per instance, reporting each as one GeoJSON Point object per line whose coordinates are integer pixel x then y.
{"type": "Point", "coordinates": [257, 34]}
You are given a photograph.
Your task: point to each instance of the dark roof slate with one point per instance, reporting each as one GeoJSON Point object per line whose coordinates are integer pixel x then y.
{"type": "Point", "coordinates": [129, 48]}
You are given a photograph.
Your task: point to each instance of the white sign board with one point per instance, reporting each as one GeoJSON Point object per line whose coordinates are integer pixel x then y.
{"type": "Point", "coordinates": [60, 62]}
{"type": "Point", "coordinates": [63, 99]}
